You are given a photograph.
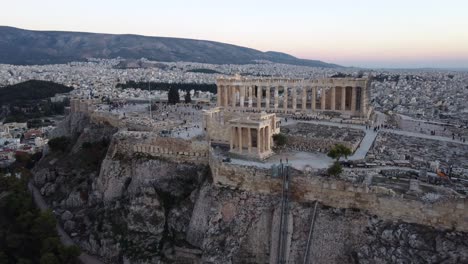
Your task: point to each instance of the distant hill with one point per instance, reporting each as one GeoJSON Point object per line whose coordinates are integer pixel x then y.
{"type": "Point", "coordinates": [31, 90]}
{"type": "Point", "coordinates": [26, 47]}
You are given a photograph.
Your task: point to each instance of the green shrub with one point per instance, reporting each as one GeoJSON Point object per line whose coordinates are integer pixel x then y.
{"type": "Point", "coordinates": [280, 139]}
{"type": "Point", "coordinates": [339, 151]}
{"type": "Point", "coordinates": [335, 169]}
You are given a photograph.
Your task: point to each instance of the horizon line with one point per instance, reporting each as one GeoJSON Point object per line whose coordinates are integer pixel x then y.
{"type": "Point", "coordinates": [349, 65]}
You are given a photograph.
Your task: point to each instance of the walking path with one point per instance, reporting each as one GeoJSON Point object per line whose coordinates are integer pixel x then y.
{"type": "Point", "coordinates": [371, 135]}
{"type": "Point", "coordinates": [364, 146]}
{"type": "Point", "coordinates": [64, 237]}
{"type": "Point", "coordinates": [419, 135]}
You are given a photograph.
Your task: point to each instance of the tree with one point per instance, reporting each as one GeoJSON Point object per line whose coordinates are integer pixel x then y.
{"type": "Point", "coordinates": [44, 225]}
{"type": "Point", "coordinates": [338, 151]}
{"type": "Point", "coordinates": [188, 98]}
{"type": "Point", "coordinates": [280, 139]}
{"type": "Point", "coordinates": [3, 258]}
{"type": "Point", "coordinates": [173, 96]}
{"type": "Point", "coordinates": [28, 236]}
{"type": "Point", "coordinates": [49, 258]}
{"type": "Point", "coordinates": [50, 244]}
{"type": "Point", "coordinates": [335, 169]}
{"type": "Point", "coordinates": [68, 254]}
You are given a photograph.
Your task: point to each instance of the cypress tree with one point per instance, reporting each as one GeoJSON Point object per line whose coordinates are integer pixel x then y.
{"type": "Point", "coordinates": [173, 96]}
{"type": "Point", "coordinates": [188, 98]}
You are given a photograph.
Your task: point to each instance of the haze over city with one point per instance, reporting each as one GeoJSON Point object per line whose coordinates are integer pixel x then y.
{"type": "Point", "coordinates": [362, 33]}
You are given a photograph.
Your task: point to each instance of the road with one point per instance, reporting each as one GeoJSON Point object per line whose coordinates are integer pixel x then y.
{"type": "Point", "coordinates": [64, 237]}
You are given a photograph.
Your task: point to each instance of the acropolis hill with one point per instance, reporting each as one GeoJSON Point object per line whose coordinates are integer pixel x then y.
{"type": "Point", "coordinates": [203, 167]}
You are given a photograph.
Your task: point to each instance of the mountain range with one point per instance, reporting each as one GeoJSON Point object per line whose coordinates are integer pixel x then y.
{"type": "Point", "coordinates": [28, 47]}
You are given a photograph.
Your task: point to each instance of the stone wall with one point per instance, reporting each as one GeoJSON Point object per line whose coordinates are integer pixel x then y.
{"type": "Point", "coordinates": [448, 213]}
{"type": "Point", "coordinates": [216, 126]}
{"type": "Point", "coordinates": [83, 105]}
{"type": "Point", "coordinates": [147, 143]}
{"type": "Point", "coordinates": [108, 119]}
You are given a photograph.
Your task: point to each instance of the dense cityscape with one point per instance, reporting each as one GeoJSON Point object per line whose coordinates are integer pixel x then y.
{"type": "Point", "coordinates": [214, 132]}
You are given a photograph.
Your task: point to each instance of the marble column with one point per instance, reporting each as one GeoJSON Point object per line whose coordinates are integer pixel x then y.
{"type": "Point", "coordinates": [242, 96]}
{"type": "Point", "coordinates": [353, 100]}
{"type": "Point", "coordinates": [276, 97]}
{"type": "Point", "coordinates": [249, 140]}
{"type": "Point", "coordinates": [314, 98]}
{"type": "Point", "coordinates": [268, 138]}
{"type": "Point", "coordinates": [240, 139]}
{"type": "Point", "coordinates": [259, 97]}
{"type": "Point", "coordinates": [233, 134]}
{"type": "Point", "coordinates": [285, 98]}
{"type": "Point", "coordinates": [259, 141]}
{"type": "Point", "coordinates": [250, 96]}
{"type": "Point", "coordinates": [294, 97]}
{"type": "Point", "coordinates": [265, 139]}
{"type": "Point", "coordinates": [333, 98]}
{"type": "Point", "coordinates": [267, 98]}
{"type": "Point", "coordinates": [364, 100]}
{"type": "Point", "coordinates": [225, 93]}
{"type": "Point", "coordinates": [218, 97]}
{"type": "Point", "coordinates": [343, 98]}
{"type": "Point", "coordinates": [233, 96]}
{"type": "Point", "coordinates": [323, 98]}
{"type": "Point", "coordinates": [304, 98]}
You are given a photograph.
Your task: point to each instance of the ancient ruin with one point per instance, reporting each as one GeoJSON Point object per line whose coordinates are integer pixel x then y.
{"type": "Point", "coordinates": [347, 96]}
{"type": "Point", "coordinates": [246, 133]}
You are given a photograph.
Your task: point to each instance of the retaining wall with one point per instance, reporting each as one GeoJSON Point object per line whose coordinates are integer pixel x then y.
{"type": "Point", "coordinates": [377, 200]}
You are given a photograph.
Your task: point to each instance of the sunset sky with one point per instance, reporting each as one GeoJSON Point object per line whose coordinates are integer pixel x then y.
{"type": "Point", "coordinates": [365, 33]}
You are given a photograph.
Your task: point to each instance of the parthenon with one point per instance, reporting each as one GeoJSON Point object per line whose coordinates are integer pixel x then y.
{"type": "Point", "coordinates": [347, 96]}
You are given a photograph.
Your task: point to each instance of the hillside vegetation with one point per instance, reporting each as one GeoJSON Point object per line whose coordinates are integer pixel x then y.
{"type": "Point", "coordinates": [27, 235]}
{"type": "Point", "coordinates": [31, 90]}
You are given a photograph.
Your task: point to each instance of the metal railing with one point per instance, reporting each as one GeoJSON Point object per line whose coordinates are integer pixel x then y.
{"type": "Point", "coordinates": [283, 230]}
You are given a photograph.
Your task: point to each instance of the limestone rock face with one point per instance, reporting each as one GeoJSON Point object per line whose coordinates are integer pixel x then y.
{"type": "Point", "coordinates": [40, 177]}
{"type": "Point", "coordinates": [141, 210]}
{"type": "Point", "coordinates": [71, 125]}
{"type": "Point", "coordinates": [125, 177]}
{"type": "Point", "coordinates": [146, 213]}
{"type": "Point", "coordinates": [48, 189]}
{"type": "Point", "coordinates": [67, 215]}
{"type": "Point", "coordinates": [73, 200]}
{"type": "Point", "coordinates": [69, 226]}
{"type": "Point", "coordinates": [402, 243]}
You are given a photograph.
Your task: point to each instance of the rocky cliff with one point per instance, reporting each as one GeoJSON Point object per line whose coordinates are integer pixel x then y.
{"type": "Point", "coordinates": [130, 208]}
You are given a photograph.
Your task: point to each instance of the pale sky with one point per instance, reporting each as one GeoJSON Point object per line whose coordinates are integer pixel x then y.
{"type": "Point", "coordinates": [365, 33]}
